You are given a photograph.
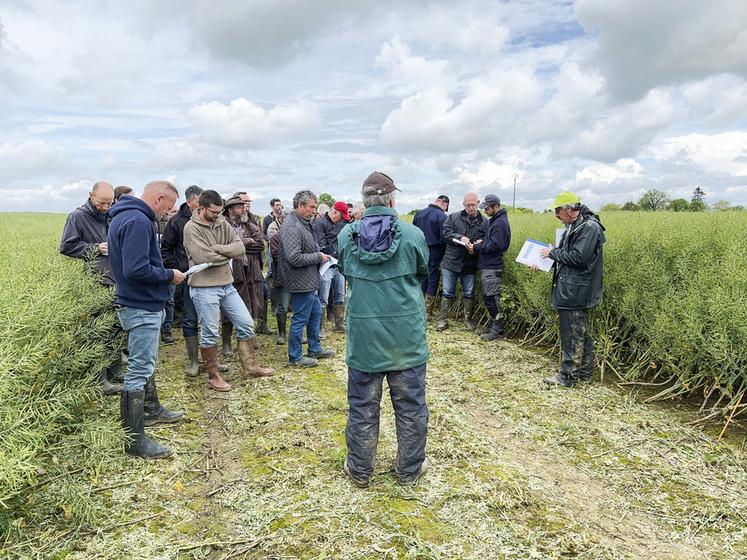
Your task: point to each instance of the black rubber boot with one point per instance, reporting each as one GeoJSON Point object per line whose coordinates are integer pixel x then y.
{"type": "Point", "coordinates": [153, 411]}
{"type": "Point", "coordinates": [193, 370]}
{"type": "Point", "coordinates": [469, 307]}
{"type": "Point", "coordinates": [282, 321]}
{"type": "Point", "coordinates": [105, 377]}
{"type": "Point", "coordinates": [262, 327]}
{"type": "Point", "coordinates": [443, 320]}
{"type": "Point", "coordinates": [496, 330]}
{"type": "Point", "coordinates": [137, 443]}
{"type": "Point", "coordinates": [226, 332]}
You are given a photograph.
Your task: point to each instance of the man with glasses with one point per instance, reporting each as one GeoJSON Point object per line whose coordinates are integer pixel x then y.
{"type": "Point", "coordinates": [84, 237]}
{"type": "Point", "coordinates": [459, 232]}
{"type": "Point", "coordinates": [576, 286]}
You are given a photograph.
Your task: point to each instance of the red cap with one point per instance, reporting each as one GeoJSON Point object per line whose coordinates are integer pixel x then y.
{"type": "Point", "coordinates": [342, 208]}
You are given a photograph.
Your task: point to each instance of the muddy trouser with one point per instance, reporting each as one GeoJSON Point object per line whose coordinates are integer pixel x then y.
{"type": "Point", "coordinates": [576, 345]}
{"type": "Point", "coordinates": [491, 291]}
{"type": "Point", "coordinates": [407, 391]}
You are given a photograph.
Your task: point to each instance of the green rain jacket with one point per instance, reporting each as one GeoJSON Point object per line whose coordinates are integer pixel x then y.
{"type": "Point", "coordinates": [386, 313]}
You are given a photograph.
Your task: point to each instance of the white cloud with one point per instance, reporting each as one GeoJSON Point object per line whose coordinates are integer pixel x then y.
{"type": "Point", "coordinates": [644, 44]}
{"type": "Point", "coordinates": [54, 197]}
{"type": "Point", "coordinates": [29, 159]}
{"type": "Point", "coordinates": [602, 173]}
{"type": "Point", "coordinates": [720, 100]}
{"type": "Point", "coordinates": [407, 72]}
{"type": "Point", "coordinates": [242, 124]}
{"type": "Point", "coordinates": [725, 152]}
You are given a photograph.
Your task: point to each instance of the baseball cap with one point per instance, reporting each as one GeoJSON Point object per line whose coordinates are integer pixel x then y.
{"type": "Point", "coordinates": [565, 198]}
{"type": "Point", "coordinates": [444, 198]}
{"type": "Point", "coordinates": [342, 208]}
{"type": "Point", "coordinates": [489, 200]}
{"type": "Point", "coordinates": [378, 183]}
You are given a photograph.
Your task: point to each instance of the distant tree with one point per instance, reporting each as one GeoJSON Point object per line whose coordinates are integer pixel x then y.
{"type": "Point", "coordinates": [326, 198]}
{"type": "Point", "coordinates": [610, 207]}
{"type": "Point", "coordinates": [721, 205]}
{"type": "Point", "coordinates": [737, 208]}
{"type": "Point", "coordinates": [413, 212]}
{"type": "Point", "coordinates": [697, 205]}
{"type": "Point", "coordinates": [630, 206]}
{"type": "Point", "coordinates": [654, 200]}
{"type": "Point", "coordinates": [519, 210]}
{"type": "Point", "coordinates": [698, 194]}
{"type": "Point", "coordinates": [679, 205]}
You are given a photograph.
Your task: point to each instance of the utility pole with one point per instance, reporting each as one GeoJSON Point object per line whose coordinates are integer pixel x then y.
{"type": "Point", "coordinates": [516, 176]}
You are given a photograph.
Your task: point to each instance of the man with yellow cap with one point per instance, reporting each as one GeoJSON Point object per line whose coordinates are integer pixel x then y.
{"type": "Point", "coordinates": [576, 286]}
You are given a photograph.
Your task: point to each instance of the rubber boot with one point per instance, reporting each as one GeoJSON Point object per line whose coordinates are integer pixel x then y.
{"type": "Point", "coordinates": [153, 411]}
{"type": "Point", "coordinates": [248, 359]}
{"type": "Point", "coordinates": [107, 387]}
{"type": "Point", "coordinates": [469, 307]}
{"type": "Point", "coordinates": [496, 330]}
{"type": "Point", "coordinates": [262, 327]}
{"type": "Point", "coordinates": [430, 304]}
{"type": "Point", "coordinates": [282, 321]}
{"type": "Point", "coordinates": [215, 379]}
{"type": "Point", "coordinates": [340, 317]}
{"type": "Point", "coordinates": [443, 319]}
{"type": "Point", "coordinates": [132, 416]}
{"type": "Point", "coordinates": [226, 332]}
{"type": "Point", "coordinates": [193, 370]}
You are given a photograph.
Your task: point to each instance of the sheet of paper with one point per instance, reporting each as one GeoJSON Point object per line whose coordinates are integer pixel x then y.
{"type": "Point", "coordinates": [530, 255]}
{"type": "Point", "coordinates": [198, 268]}
{"type": "Point", "coordinates": [325, 266]}
{"type": "Point", "coordinates": [457, 240]}
{"type": "Point", "coordinates": [558, 235]}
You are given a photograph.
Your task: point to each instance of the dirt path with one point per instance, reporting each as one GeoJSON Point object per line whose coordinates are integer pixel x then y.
{"type": "Point", "coordinates": [518, 472]}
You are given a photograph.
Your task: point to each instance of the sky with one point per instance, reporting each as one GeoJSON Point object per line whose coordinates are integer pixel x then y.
{"type": "Point", "coordinates": [603, 98]}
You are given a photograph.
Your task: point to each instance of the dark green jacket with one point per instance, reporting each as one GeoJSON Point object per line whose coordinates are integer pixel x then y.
{"type": "Point", "coordinates": [386, 313]}
{"type": "Point", "coordinates": [577, 271]}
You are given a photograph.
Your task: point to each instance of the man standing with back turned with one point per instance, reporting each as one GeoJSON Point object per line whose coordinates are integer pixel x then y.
{"type": "Point", "coordinates": [385, 260]}
{"type": "Point", "coordinates": [142, 292]}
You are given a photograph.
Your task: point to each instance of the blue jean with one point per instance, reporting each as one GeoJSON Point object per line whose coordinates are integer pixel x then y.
{"type": "Point", "coordinates": [407, 391]}
{"type": "Point", "coordinates": [169, 308]}
{"type": "Point", "coordinates": [435, 256]}
{"type": "Point", "coordinates": [307, 313]}
{"type": "Point", "coordinates": [449, 278]}
{"type": "Point", "coordinates": [189, 314]}
{"type": "Point", "coordinates": [209, 301]}
{"type": "Point", "coordinates": [143, 328]}
{"type": "Point", "coordinates": [334, 281]}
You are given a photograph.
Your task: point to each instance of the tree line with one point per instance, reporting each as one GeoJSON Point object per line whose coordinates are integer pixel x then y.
{"type": "Point", "coordinates": [654, 200]}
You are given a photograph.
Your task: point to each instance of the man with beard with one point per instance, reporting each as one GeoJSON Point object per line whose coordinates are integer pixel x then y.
{"type": "Point", "coordinates": [210, 239]}
{"type": "Point", "coordinates": [84, 237]}
{"type": "Point", "coordinates": [247, 270]}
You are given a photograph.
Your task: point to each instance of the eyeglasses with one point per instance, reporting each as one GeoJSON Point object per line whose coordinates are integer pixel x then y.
{"type": "Point", "coordinates": [557, 211]}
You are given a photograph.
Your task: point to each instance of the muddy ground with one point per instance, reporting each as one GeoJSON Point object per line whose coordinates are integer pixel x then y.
{"type": "Point", "coordinates": [517, 471]}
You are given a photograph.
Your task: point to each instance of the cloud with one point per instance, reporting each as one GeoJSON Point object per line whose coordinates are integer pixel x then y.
{"type": "Point", "coordinates": [720, 100]}
{"type": "Point", "coordinates": [602, 173]}
{"type": "Point", "coordinates": [722, 153]}
{"type": "Point", "coordinates": [436, 120]}
{"type": "Point", "coordinates": [242, 124]}
{"type": "Point", "coordinates": [644, 44]}
{"type": "Point", "coordinates": [29, 159]}
{"type": "Point", "coordinates": [55, 197]}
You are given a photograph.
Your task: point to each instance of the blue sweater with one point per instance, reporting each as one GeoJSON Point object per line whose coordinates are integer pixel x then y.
{"type": "Point", "coordinates": [496, 242]}
{"type": "Point", "coordinates": [430, 220]}
{"type": "Point", "coordinates": [135, 258]}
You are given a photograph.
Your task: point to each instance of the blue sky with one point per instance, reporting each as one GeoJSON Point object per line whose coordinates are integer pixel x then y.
{"type": "Point", "coordinates": [607, 99]}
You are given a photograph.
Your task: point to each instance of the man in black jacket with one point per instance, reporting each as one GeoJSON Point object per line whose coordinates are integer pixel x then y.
{"type": "Point", "coordinates": [430, 220]}
{"type": "Point", "coordinates": [576, 286]}
{"type": "Point", "coordinates": [175, 256]}
{"type": "Point", "coordinates": [326, 230]}
{"type": "Point", "coordinates": [490, 251]}
{"type": "Point", "coordinates": [459, 232]}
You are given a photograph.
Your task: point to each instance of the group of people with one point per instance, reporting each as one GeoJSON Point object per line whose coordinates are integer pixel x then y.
{"type": "Point", "coordinates": [211, 253]}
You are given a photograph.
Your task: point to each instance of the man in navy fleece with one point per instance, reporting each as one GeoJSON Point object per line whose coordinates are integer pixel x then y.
{"type": "Point", "coordinates": [142, 292]}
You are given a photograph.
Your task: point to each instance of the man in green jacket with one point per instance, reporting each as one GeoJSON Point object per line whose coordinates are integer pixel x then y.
{"type": "Point", "coordinates": [576, 286]}
{"type": "Point", "coordinates": [385, 261]}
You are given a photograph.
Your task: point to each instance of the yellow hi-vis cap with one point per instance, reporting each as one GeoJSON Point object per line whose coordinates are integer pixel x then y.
{"type": "Point", "coordinates": [565, 198]}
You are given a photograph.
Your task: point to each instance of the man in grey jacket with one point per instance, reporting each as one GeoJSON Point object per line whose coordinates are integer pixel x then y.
{"type": "Point", "coordinates": [576, 286]}
{"type": "Point", "coordinates": [210, 239]}
{"type": "Point", "coordinates": [300, 258]}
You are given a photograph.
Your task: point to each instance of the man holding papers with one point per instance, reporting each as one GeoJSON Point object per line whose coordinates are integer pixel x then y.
{"type": "Point", "coordinates": [576, 286]}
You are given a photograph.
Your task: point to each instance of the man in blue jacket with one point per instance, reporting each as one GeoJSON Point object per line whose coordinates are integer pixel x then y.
{"type": "Point", "coordinates": [142, 292]}
{"type": "Point", "coordinates": [490, 260]}
{"type": "Point", "coordinates": [430, 220]}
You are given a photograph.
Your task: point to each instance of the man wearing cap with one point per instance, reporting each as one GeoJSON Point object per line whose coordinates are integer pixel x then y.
{"type": "Point", "coordinates": [326, 230]}
{"type": "Point", "coordinates": [384, 261]}
{"type": "Point", "coordinates": [209, 238]}
{"type": "Point", "coordinates": [576, 286]}
{"type": "Point", "coordinates": [431, 220]}
{"type": "Point", "coordinates": [490, 260]}
{"type": "Point", "coordinates": [247, 270]}
{"type": "Point", "coordinates": [459, 232]}
{"type": "Point", "coordinates": [299, 260]}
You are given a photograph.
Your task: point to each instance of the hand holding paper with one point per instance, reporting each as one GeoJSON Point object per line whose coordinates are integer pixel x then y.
{"type": "Point", "coordinates": [531, 255]}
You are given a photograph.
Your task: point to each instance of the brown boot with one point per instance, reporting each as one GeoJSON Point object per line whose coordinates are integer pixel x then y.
{"type": "Point", "coordinates": [215, 379]}
{"type": "Point", "coordinates": [340, 317]}
{"type": "Point", "coordinates": [249, 360]}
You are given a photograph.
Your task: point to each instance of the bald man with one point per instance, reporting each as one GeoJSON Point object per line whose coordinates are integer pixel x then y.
{"type": "Point", "coordinates": [459, 232]}
{"type": "Point", "coordinates": [142, 293]}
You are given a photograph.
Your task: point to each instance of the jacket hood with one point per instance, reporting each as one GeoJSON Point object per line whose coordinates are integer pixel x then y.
{"type": "Point", "coordinates": [498, 214]}
{"type": "Point", "coordinates": [127, 202]}
{"type": "Point", "coordinates": [184, 210]}
{"type": "Point", "coordinates": [89, 208]}
{"type": "Point", "coordinates": [589, 215]}
{"type": "Point", "coordinates": [377, 235]}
